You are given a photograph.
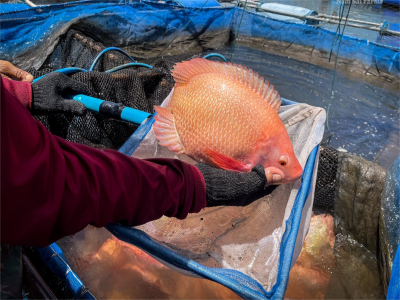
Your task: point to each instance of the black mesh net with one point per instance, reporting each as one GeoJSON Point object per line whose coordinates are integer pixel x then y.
{"type": "Point", "coordinates": [326, 178]}
{"type": "Point", "coordinates": [137, 87]}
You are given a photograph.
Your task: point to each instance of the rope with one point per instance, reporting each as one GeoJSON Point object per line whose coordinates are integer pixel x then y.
{"type": "Point", "coordinates": [337, 36]}
{"type": "Point", "coordinates": [237, 34]}
{"type": "Point", "coordinates": [336, 60]}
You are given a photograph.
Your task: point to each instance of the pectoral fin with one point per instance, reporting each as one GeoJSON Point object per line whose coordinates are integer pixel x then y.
{"type": "Point", "coordinates": [165, 130]}
{"type": "Point", "coordinates": [224, 162]}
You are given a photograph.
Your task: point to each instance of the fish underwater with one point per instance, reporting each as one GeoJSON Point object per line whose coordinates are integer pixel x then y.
{"type": "Point", "coordinates": [226, 115]}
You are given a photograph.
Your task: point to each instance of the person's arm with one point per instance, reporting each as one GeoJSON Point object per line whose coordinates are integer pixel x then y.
{"type": "Point", "coordinates": [51, 188]}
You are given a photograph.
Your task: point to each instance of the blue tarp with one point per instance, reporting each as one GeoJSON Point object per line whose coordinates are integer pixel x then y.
{"type": "Point", "coordinates": [394, 285]}
{"type": "Point", "coordinates": [28, 36]}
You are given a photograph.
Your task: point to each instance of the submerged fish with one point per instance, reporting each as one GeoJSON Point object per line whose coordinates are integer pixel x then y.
{"type": "Point", "coordinates": [226, 115]}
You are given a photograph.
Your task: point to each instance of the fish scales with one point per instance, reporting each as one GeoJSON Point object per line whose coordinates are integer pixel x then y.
{"type": "Point", "coordinates": [232, 140]}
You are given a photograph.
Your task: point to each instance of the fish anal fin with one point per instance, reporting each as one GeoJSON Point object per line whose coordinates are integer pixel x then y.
{"type": "Point", "coordinates": [165, 130]}
{"type": "Point", "coordinates": [184, 71]}
{"type": "Point", "coordinates": [224, 162]}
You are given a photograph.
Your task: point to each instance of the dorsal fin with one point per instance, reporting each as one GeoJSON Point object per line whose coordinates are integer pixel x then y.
{"type": "Point", "coordinates": [183, 71]}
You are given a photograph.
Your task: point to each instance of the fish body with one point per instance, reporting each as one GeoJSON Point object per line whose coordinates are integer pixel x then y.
{"type": "Point", "coordinates": [226, 115]}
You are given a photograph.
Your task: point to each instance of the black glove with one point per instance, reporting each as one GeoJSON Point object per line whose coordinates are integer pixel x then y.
{"type": "Point", "coordinates": [233, 189]}
{"type": "Point", "coordinates": [48, 92]}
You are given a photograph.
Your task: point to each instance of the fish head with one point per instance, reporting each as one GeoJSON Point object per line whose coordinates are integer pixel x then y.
{"type": "Point", "coordinates": [280, 160]}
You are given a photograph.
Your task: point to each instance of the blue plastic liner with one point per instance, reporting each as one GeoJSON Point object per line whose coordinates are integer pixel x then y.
{"type": "Point", "coordinates": [28, 36]}
{"type": "Point", "coordinates": [394, 285]}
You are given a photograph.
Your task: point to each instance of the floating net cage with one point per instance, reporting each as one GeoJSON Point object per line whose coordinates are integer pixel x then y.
{"type": "Point", "coordinates": [249, 250]}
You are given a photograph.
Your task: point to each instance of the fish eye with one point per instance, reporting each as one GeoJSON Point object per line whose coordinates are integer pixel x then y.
{"type": "Point", "coordinates": [283, 160]}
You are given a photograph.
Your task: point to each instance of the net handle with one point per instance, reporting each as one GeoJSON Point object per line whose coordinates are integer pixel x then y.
{"type": "Point", "coordinates": [112, 110]}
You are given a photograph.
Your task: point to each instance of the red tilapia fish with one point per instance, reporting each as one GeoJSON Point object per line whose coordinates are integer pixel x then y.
{"type": "Point", "coordinates": [226, 115]}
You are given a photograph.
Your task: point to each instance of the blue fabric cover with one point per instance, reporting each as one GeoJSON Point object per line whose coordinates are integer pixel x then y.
{"type": "Point", "coordinates": [394, 285]}
{"type": "Point", "coordinates": [28, 36]}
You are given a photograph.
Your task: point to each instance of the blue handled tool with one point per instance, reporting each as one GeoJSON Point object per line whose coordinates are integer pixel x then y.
{"type": "Point", "coordinates": [106, 108]}
{"type": "Point", "coordinates": [112, 110]}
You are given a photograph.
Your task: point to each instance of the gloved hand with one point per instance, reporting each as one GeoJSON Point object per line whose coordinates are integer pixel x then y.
{"type": "Point", "coordinates": [48, 94]}
{"type": "Point", "coordinates": [226, 188]}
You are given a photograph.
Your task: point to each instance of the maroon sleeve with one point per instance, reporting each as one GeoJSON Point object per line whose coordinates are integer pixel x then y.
{"type": "Point", "coordinates": [20, 90]}
{"type": "Point", "coordinates": [51, 188]}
